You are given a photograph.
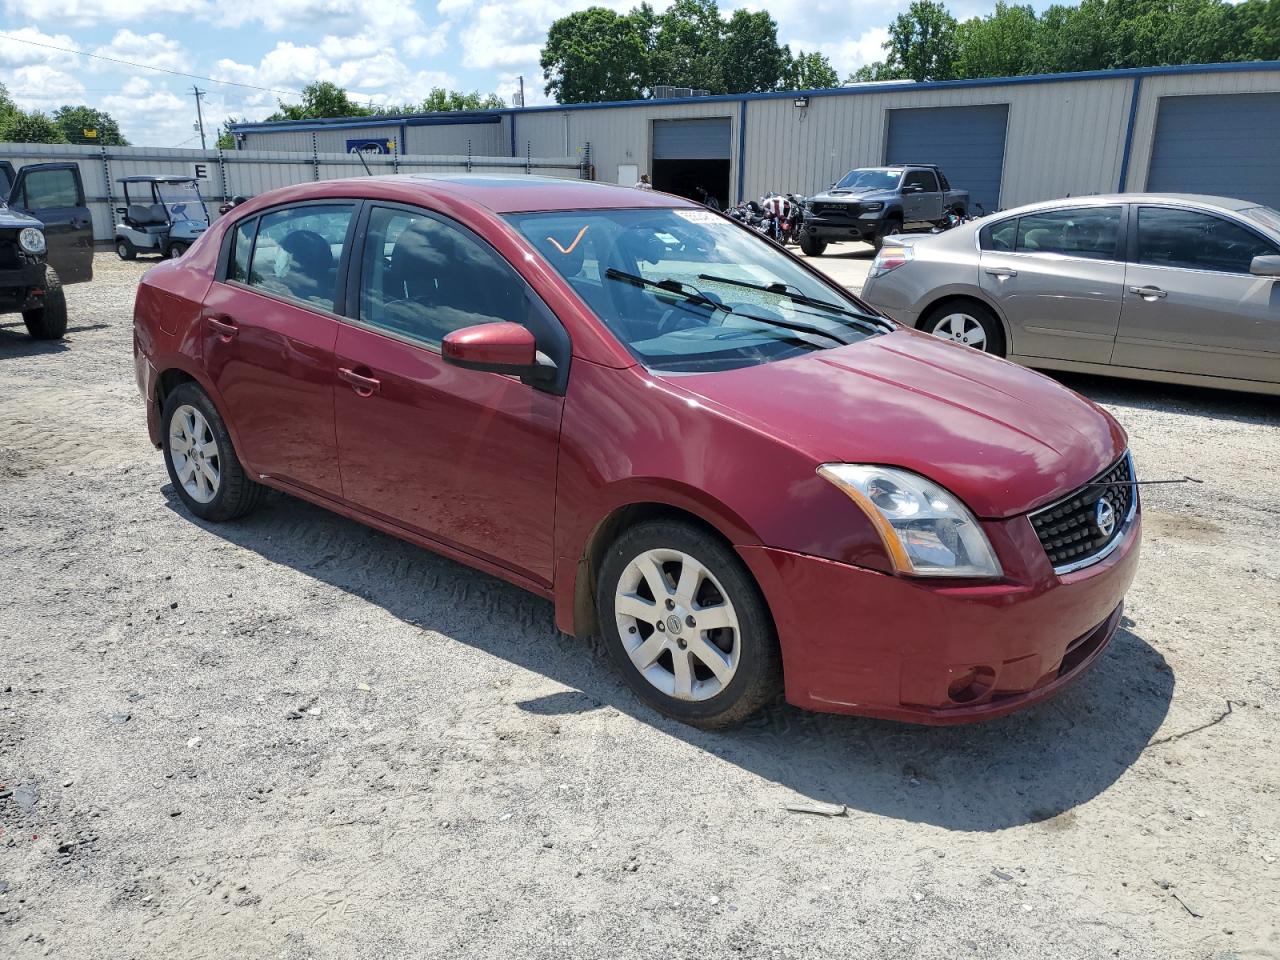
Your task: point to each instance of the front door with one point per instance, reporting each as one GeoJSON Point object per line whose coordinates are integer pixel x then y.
{"type": "Point", "coordinates": [54, 195]}
{"type": "Point", "coordinates": [269, 328]}
{"type": "Point", "coordinates": [921, 199]}
{"type": "Point", "coordinates": [1190, 303]}
{"type": "Point", "coordinates": [1058, 277]}
{"type": "Point", "coordinates": [465, 457]}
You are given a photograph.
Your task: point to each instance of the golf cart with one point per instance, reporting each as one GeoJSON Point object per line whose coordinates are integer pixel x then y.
{"type": "Point", "coordinates": [163, 215]}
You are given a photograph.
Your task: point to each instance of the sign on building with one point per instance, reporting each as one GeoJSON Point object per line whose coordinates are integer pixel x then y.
{"type": "Point", "coordinates": [364, 145]}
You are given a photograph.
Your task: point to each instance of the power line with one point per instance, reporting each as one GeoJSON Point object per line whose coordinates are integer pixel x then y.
{"type": "Point", "coordinates": [147, 66]}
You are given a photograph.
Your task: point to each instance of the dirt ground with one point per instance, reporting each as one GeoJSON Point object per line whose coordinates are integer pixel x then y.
{"type": "Point", "coordinates": [293, 737]}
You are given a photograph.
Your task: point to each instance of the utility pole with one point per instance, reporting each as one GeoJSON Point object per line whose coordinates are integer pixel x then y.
{"type": "Point", "coordinates": [199, 94]}
{"type": "Point", "coordinates": [522, 89]}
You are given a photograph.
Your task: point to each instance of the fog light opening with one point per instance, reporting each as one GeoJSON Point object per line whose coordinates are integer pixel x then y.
{"type": "Point", "coordinates": [972, 685]}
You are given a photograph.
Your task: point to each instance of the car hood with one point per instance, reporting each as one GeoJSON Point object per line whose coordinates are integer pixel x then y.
{"type": "Point", "coordinates": [13, 220]}
{"type": "Point", "coordinates": [1002, 438]}
{"type": "Point", "coordinates": [851, 195]}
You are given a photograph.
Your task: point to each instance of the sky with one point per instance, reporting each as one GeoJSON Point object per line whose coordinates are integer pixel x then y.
{"type": "Point", "coordinates": [380, 51]}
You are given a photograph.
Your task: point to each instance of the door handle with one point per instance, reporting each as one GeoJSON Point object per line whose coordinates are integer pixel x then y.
{"type": "Point", "coordinates": [225, 326]}
{"type": "Point", "coordinates": [1002, 272]}
{"type": "Point", "coordinates": [1149, 293]}
{"type": "Point", "coordinates": [364, 386]}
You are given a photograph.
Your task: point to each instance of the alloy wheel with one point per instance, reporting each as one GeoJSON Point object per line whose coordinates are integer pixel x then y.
{"type": "Point", "coordinates": [962, 328]}
{"type": "Point", "coordinates": [677, 624]}
{"type": "Point", "coordinates": [194, 450]}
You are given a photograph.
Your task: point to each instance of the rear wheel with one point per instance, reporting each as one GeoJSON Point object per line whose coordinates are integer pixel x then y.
{"type": "Point", "coordinates": [176, 249]}
{"type": "Point", "coordinates": [811, 245]}
{"type": "Point", "coordinates": [686, 624]}
{"type": "Point", "coordinates": [48, 322]}
{"type": "Point", "coordinates": [202, 463]}
{"type": "Point", "coordinates": [967, 322]}
{"type": "Point", "coordinates": [125, 249]}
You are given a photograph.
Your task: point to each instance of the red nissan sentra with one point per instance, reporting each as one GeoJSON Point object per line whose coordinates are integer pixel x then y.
{"type": "Point", "coordinates": [743, 478]}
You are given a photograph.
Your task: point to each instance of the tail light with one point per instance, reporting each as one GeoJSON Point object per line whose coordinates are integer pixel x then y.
{"type": "Point", "coordinates": [890, 257]}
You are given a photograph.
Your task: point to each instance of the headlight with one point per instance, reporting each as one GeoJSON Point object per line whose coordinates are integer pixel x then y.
{"type": "Point", "coordinates": [31, 240]}
{"type": "Point", "coordinates": [926, 530]}
{"type": "Point", "coordinates": [872, 207]}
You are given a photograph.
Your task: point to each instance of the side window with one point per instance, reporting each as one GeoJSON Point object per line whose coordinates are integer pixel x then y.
{"type": "Point", "coordinates": [999, 236]}
{"type": "Point", "coordinates": [241, 247]}
{"type": "Point", "coordinates": [47, 189]}
{"type": "Point", "coordinates": [1078, 232]}
{"type": "Point", "coordinates": [1198, 241]}
{"type": "Point", "coordinates": [921, 178]}
{"type": "Point", "coordinates": [423, 278]}
{"type": "Point", "coordinates": [297, 252]}
{"type": "Point", "coordinates": [942, 181]}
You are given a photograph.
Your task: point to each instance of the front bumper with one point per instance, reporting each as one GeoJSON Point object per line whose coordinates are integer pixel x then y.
{"type": "Point", "coordinates": [860, 642]}
{"type": "Point", "coordinates": [17, 285]}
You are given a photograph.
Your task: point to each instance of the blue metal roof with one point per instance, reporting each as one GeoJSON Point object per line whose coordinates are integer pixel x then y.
{"type": "Point", "coordinates": [495, 116]}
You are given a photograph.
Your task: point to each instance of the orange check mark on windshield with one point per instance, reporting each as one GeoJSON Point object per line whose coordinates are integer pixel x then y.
{"type": "Point", "coordinates": [569, 248]}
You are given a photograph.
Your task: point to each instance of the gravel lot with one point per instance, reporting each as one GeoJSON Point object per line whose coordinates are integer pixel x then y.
{"type": "Point", "coordinates": [294, 737]}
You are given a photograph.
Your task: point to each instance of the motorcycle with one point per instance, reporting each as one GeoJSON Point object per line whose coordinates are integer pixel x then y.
{"type": "Point", "coordinates": [782, 218]}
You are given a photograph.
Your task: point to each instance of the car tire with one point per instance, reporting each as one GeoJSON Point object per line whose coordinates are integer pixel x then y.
{"type": "Point", "coordinates": [656, 642]}
{"type": "Point", "coordinates": [968, 322]}
{"type": "Point", "coordinates": [209, 479]}
{"type": "Point", "coordinates": [176, 250]}
{"type": "Point", "coordinates": [812, 246]}
{"type": "Point", "coordinates": [891, 226]}
{"type": "Point", "coordinates": [125, 249]}
{"type": "Point", "coordinates": [50, 321]}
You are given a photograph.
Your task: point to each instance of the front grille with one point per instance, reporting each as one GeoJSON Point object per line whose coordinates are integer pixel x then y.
{"type": "Point", "coordinates": [1069, 530]}
{"type": "Point", "coordinates": [8, 254]}
{"type": "Point", "coordinates": [836, 208]}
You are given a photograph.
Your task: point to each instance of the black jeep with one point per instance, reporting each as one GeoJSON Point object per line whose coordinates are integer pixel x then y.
{"type": "Point", "coordinates": [46, 241]}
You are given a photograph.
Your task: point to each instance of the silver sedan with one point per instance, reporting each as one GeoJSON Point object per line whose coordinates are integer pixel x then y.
{"type": "Point", "coordinates": [1166, 287]}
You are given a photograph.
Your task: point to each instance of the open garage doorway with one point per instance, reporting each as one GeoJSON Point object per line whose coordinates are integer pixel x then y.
{"type": "Point", "coordinates": [688, 154]}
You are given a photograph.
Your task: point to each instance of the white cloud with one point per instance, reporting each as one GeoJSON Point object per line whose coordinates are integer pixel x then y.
{"type": "Point", "coordinates": [849, 53]}
{"type": "Point", "coordinates": [27, 46]}
{"type": "Point", "coordinates": [153, 50]}
{"type": "Point", "coordinates": [276, 15]}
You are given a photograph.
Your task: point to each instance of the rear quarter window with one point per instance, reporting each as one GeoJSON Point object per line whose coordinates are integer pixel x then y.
{"type": "Point", "coordinates": [999, 236]}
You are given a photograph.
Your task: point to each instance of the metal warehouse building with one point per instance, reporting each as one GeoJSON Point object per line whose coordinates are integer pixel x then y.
{"type": "Point", "coordinates": [1202, 129]}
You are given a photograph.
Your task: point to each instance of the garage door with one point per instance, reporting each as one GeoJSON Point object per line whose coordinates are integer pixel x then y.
{"type": "Point", "coordinates": [967, 142]}
{"type": "Point", "coordinates": [1220, 145]}
{"type": "Point", "coordinates": [702, 139]}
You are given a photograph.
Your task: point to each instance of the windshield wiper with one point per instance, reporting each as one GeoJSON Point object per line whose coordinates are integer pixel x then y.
{"type": "Point", "coordinates": [667, 285]}
{"type": "Point", "coordinates": [784, 290]}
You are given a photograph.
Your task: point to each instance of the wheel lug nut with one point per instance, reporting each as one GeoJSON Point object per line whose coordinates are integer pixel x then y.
{"type": "Point", "coordinates": [661, 627]}
{"type": "Point", "coordinates": [683, 643]}
{"type": "Point", "coordinates": [671, 604]}
{"type": "Point", "coordinates": [689, 621]}
{"type": "Point", "coordinates": [631, 629]}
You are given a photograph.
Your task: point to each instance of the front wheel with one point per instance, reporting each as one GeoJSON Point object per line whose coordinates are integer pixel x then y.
{"type": "Point", "coordinates": [686, 624]}
{"type": "Point", "coordinates": [125, 249]}
{"type": "Point", "coordinates": [201, 461]}
{"type": "Point", "coordinates": [176, 249]}
{"type": "Point", "coordinates": [48, 322]}
{"type": "Point", "coordinates": [967, 322]}
{"type": "Point", "coordinates": [812, 246]}
{"type": "Point", "coordinates": [889, 229]}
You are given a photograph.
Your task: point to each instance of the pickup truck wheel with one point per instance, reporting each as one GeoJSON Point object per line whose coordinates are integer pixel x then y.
{"type": "Point", "coordinates": [967, 322]}
{"type": "Point", "coordinates": [50, 321]}
{"type": "Point", "coordinates": [686, 624]}
{"type": "Point", "coordinates": [812, 246]}
{"type": "Point", "coordinates": [202, 463]}
{"type": "Point", "coordinates": [125, 249]}
{"type": "Point", "coordinates": [891, 226]}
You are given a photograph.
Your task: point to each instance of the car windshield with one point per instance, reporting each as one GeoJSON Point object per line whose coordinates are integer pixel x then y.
{"type": "Point", "coordinates": [870, 178]}
{"type": "Point", "coordinates": [688, 290]}
{"type": "Point", "coordinates": [183, 200]}
{"type": "Point", "coordinates": [1266, 216]}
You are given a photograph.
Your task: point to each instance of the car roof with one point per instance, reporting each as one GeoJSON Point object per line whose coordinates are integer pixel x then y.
{"type": "Point", "coordinates": [1190, 199]}
{"type": "Point", "coordinates": [518, 193]}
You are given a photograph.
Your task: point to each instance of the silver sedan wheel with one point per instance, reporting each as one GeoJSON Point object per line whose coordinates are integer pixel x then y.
{"type": "Point", "coordinates": [962, 328]}
{"type": "Point", "coordinates": [194, 450]}
{"type": "Point", "coordinates": [677, 625]}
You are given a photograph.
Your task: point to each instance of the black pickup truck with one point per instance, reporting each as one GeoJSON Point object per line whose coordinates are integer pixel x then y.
{"type": "Point", "coordinates": [871, 203]}
{"type": "Point", "coordinates": [46, 241]}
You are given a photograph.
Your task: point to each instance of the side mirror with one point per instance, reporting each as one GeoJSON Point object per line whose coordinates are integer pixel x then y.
{"type": "Point", "coordinates": [1268, 266]}
{"type": "Point", "coordinates": [496, 348]}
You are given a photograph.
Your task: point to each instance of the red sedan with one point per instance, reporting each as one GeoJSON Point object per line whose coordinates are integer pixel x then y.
{"type": "Point", "coordinates": [743, 478]}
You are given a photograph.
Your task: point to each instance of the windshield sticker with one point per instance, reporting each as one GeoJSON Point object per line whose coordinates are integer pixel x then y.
{"type": "Point", "coordinates": [697, 216]}
{"type": "Point", "coordinates": [569, 249]}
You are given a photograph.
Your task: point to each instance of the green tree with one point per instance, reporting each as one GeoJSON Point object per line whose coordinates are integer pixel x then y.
{"type": "Point", "coordinates": [751, 59]}
{"type": "Point", "coordinates": [688, 50]}
{"type": "Point", "coordinates": [810, 71]}
{"type": "Point", "coordinates": [595, 54]}
{"type": "Point", "coordinates": [922, 42]}
{"type": "Point", "coordinates": [1257, 29]}
{"type": "Point", "coordinates": [322, 98]}
{"type": "Point", "coordinates": [7, 107]}
{"type": "Point", "coordinates": [73, 121]}
{"type": "Point", "coordinates": [440, 100]}
{"type": "Point", "coordinates": [33, 127]}
{"type": "Point", "coordinates": [1004, 43]}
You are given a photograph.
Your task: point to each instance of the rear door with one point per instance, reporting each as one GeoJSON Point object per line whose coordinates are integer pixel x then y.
{"type": "Point", "coordinates": [269, 328]}
{"type": "Point", "coordinates": [1058, 276]}
{"type": "Point", "coordinates": [54, 194]}
{"type": "Point", "coordinates": [1190, 303]}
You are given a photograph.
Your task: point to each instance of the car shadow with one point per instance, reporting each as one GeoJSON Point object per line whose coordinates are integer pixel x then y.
{"type": "Point", "coordinates": [1035, 766]}
{"type": "Point", "coordinates": [1174, 398]}
{"type": "Point", "coordinates": [16, 343]}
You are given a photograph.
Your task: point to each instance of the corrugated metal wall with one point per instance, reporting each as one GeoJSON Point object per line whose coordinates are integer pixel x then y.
{"type": "Point", "coordinates": [1153, 88]}
{"type": "Point", "coordinates": [249, 173]}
